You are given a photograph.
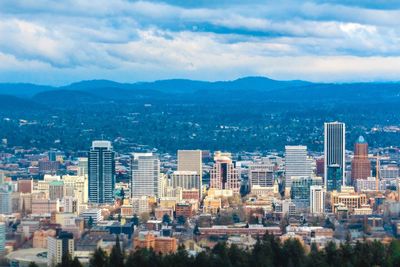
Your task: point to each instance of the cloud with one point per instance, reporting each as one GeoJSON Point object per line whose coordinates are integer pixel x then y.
{"type": "Point", "coordinates": [62, 41]}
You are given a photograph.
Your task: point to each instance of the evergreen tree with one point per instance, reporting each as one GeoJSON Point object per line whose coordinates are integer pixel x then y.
{"type": "Point", "coordinates": [116, 257]}
{"type": "Point", "coordinates": [33, 264]}
{"type": "Point", "coordinates": [166, 219]}
{"type": "Point", "coordinates": [99, 259]}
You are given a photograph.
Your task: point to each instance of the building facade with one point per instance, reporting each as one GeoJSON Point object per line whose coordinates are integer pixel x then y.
{"type": "Point", "coordinates": [224, 174]}
{"type": "Point", "coordinates": [101, 170]}
{"type": "Point", "coordinates": [296, 163]}
{"type": "Point", "coordinates": [317, 199]}
{"type": "Point", "coordinates": [334, 149]}
{"type": "Point", "coordinates": [360, 165]}
{"type": "Point", "coordinates": [146, 176]}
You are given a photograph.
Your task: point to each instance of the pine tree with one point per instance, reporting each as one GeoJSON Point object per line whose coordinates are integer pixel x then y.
{"type": "Point", "coordinates": [116, 257]}
{"type": "Point", "coordinates": [99, 259]}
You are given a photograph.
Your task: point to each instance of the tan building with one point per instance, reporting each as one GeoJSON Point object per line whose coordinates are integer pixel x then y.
{"type": "Point", "coordinates": [190, 160]}
{"type": "Point", "coordinates": [224, 174]}
{"type": "Point", "coordinates": [40, 238]}
{"type": "Point", "coordinates": [211, 205]}
{"type": "Point", "coordinates": [44, 206]}
{"type": "Point", "coordinates": [348, 198]}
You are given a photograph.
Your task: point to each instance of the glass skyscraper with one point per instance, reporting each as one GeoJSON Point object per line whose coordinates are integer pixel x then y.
{"type": "Point", "coordinates": [101, 169]}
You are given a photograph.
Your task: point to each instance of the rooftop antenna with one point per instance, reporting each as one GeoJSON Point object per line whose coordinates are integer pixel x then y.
{"type": "Point", "coordinates": [102, 137]}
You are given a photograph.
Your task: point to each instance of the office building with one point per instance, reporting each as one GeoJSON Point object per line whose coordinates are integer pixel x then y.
{"type": "Point", "coordinates": [146, 176]}
{"type": "Point", "coordinates": [300, 190]}
{"type": "Point", "coordinates": [347, 199]}
{"type": "Point", "coordinates": [82, 166]}
{"type": "Point", "coordinates": [190, 160]}
{"type": "Point", "coordinates": [25, 185]}
{"type": "Point", "coordinates": [224, 174]}
{"type": "Point", "coordinates": [186, 180]}
{"type": "Point", "coordinates": [261, 175]}
{"type": "Point", "coordinates": [5, 200]}
{"type": "Point", "coordinates": [60, 245]}
{"type": "Point", "coordinates": [317, 199]}
{"type": "Point", "coordinates": [334, 178]}
{"type": "Point", "coordinates": [360, 165]}
{"type": "Point", "coordinates": [296, 163]}
{"type": "Point", "coordinates": [56, 190]}
{"type": "Point", "coordinates": [101, 170]}
{"type": "Point", "coordinates": [334, 151]}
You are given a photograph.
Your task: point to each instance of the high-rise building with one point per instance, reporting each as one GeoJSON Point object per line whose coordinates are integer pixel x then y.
{"type": "Point", "coordinates": [25, 185]}
{"type": "Point", "coordinates": [5, 200]}
{"type": "Point", "coordinates": [2, 238]}
{"type": "Point", "coordinates": [360, 165]}
{"type": "Point", "coordinates": [334, 149]}
{"type": "Point", "coordinates": [146, 176]}
{"type": "Point", "coordinates": [296, 163]}
{"type": "Point", "coordinates": [186, 180]}
{"type": "Point", "coordinates": [317, 199]}
{"type": "Point", "coordinates": [300, 190]}
{"type": "Point", "coordinates": [56, 190]}
{"type": "Point", "coordinates": [60, 245]}
{"type": "Point", "coordinates": [101, 170]}
{"type": "Point", "coordinates": [261, 175]}
{"type": "Point", "coordinates": [82, 166]}
{"type": "Point", "coordinates": [334, 178]}
{"type": "Point", "coordinates": [190, 160]}
{"type": "Point", "coordinates": [224, 174]}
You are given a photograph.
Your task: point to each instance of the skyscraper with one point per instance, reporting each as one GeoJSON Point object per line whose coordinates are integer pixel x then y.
{"type": "Point", "coordinates": [146, 177]}
{"type": "Point", "coordinates": [360, 165]}
{"type": "Point", "coordinates": [101, 169]}
{"type": "Point", "coordinates": [334, 149]}
{"type": "Point", "coordinates": [224, 174]}
{"type": "Point", "coordinates": [190, 160]}
{"type": "Point", "coordinates": [296, 163]}
{"type": "Point", "coordinates": [317, 199]}
{"type": "Point", "coordinates": [59, 246]}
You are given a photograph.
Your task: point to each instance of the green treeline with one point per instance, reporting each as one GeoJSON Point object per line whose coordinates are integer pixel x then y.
{"type": "Point", "coordinates": [267, 252]}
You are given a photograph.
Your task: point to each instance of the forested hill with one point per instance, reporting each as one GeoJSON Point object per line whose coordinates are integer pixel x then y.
{"type": "Point", "coordinates": [251, 113]}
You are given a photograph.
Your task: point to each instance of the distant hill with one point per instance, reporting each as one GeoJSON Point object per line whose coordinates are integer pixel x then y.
{"type": "Point", "coordinates": [248, 89]}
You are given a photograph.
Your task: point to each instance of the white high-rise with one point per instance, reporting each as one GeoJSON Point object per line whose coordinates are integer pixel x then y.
{"type": "Point", "coordinates": [334, 148]}
{"type": "Point", "coordinates": [296, 163]}
{"type": "Point", "coordinates": [146, 177]}
{"type": "Point", "coordinates": [317, 199]}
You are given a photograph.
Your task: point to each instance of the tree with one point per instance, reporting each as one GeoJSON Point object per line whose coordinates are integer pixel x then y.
{"type": "Point", "coordinates": [166, 219]}
{"type": "Point", "coordinates": [76, 262]}
{"type": "Point", "coordinates": [32, 264]}
{"type": "Point", "coordinates": [135, 220]}
{"type": "Point", "coordinates": [181, 220]}
{"type": "Point", "coordinates": [99, 258]}
{"type": "Point", "coordinates": [90, 222]}
{"type": "Point", "coordinates": [116, 256]}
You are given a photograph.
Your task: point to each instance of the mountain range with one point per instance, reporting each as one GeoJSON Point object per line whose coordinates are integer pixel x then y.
{"type": "Point", "coordinates": [248, 89]}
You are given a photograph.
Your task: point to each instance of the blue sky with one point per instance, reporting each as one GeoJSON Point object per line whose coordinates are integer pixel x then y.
{"type": "Point", "coordinates": [58, 42]}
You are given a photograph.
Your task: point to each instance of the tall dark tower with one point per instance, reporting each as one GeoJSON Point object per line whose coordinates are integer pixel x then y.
{"type": "Point", "coordinates": [360, 165]}
{"type": "Point", "coordinates": [101, 170]}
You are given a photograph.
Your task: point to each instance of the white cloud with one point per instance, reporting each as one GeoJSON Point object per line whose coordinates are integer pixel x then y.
{"type": "Point", "coordinates": [63, 41]}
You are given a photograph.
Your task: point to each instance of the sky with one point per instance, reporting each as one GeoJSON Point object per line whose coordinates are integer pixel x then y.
{"type": "Point", "coordinates": [59, 42]}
